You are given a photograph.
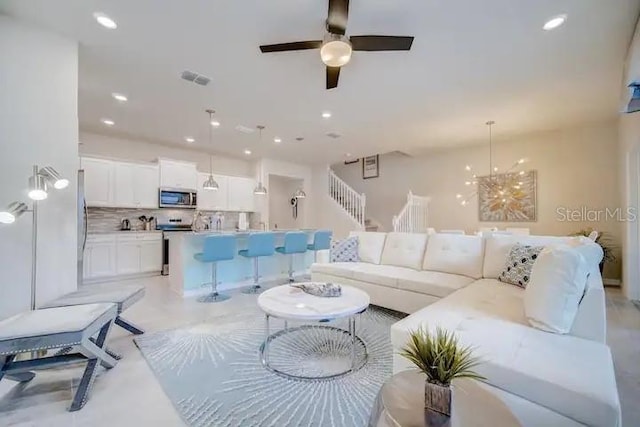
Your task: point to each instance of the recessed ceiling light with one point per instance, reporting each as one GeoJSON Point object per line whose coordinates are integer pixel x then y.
{"type": "Point", "coordinates": [247, 152]}
{"type": "Point", "coordinates": [119, 97]}
{"type": "Point", "coordinates": [215, 123]}
{"type": "Point", "coordinates": [189, 139]}
{"type": "Point", "coordinates": [326, 114]}
{"type": "Point", "coordinates": [554, 22]}
{"type": "Point", "coordinates": [105, 21]}
{"type": "Point", "coordinates": [108, 122]}
{"type": "Point", "coordinates": [277, 140]}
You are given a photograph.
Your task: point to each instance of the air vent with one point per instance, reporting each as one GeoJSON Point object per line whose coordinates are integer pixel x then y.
{"type": "Point", "coordinates": [244, 129]}
{"type": "Point", "coordinates": [333, 135]}
{"type": "Point", "coordinates": [196, 78]}
{"type": "Point", "coordinates": [299, 139]}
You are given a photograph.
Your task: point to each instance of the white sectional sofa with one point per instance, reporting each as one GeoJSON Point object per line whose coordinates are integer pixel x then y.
{"type": "Point", "coordinates": [451, 281]}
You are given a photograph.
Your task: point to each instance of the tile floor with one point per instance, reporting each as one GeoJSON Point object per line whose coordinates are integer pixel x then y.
{"type": "Point", "coordinates": [129, 395]}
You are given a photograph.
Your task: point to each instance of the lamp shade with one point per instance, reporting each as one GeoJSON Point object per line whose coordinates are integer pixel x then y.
{"type": "Point", "coordinates": [37, 187]}
{"type": "Point", "coordinates": [13, 211]}
{"type": "Point", "coordinates": [260, 189]}
{"type": "Point", "coordinates": [54, 178]}
{"type": "Point", "coordinates": [210, 184]}
{"type": "Point", "coordinates": [300, 194]}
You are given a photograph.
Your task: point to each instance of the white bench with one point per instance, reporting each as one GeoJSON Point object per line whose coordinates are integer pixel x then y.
{"type": "Point", "coordinates": [52, 328]}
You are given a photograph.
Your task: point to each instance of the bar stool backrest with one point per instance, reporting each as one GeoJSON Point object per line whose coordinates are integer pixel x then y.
{"type": "Point", "coordinates": [322, 240]}
{"type": "Point", "coordinates": [261, 244]}
{"type": "Point", "coordinates": [219, 248]}
{"type": "Point", "coordinates": [295, 242]}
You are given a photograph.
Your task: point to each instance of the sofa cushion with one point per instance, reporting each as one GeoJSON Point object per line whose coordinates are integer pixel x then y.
{"type": "Point", "coordinates": [382, 275]}
{"type": "Point", "coordinates": [518, 265]}
{"type": "Point", "coordinates": [455, 254]}
{"type": "Point", "coordinates": [370, 245]}
{"type": "Point", "coordinates": [541, 367]}
{"type": "Point", "coordinates": [404, 250]}
{"type": "Point", "coordinates": [431, 282]}
{"type": "Point", "coordinates": [558, 279]}
{"type": "Point", "coordinates": [497, 247]}
{"type": "Point", "coordinates": [339, 269]}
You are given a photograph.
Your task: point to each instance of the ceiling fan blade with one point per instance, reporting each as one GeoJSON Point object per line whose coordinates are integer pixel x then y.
{"type": "Point", "coordinates": [333, 73]}
{"type": "Point", "coordinates": [377, 43]}
{"type": "Point", "coordinates": [338, 16]}
{"type": "Point", "coordinates": [283, 47]}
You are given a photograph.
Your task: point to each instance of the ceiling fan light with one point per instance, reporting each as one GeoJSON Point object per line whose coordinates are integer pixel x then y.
{"type": "Point", "coordinates": [336, 51]}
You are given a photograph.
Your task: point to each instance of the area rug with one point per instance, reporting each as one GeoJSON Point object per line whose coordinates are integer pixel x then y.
{"type": "Point", "coordinates": [213, 375]}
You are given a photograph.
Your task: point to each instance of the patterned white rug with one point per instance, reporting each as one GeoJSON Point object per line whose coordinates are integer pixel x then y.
{"type": "Point", "coordinates": [213, 374]}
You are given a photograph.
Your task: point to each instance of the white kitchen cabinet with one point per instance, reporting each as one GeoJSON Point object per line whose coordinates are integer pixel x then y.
{"type": "Point", "coordinates": [151, 255]}
{"type": "Point", "coordinates": [147, 182]}
{"type": "Point", "coordinates": [241, 197]}
{"type": "Point", "coordinates": [136, 185]}
{"type": "Point", "coordinates": [210, 200]}
{"type": "Point", "coordinates": [100, 257]}
{"type": "Point", "coordinates": [128, 256]}
{"type": "Point", "coordinates": [175, 174]}
{"type": "Point", "coordinates": [98, 182]}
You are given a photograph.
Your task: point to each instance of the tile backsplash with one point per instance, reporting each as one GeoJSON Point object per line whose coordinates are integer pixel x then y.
{"type": "Point", "coordinates": [100, 220]}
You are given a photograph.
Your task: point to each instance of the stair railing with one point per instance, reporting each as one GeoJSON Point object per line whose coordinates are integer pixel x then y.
{"type": "Point", "coordinates": [414, 216]}
{"type": "Point", "coordinates": [352, 202]}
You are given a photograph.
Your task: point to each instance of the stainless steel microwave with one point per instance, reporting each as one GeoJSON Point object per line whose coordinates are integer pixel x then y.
{"type": "Point", "coordinates": [177, 198]}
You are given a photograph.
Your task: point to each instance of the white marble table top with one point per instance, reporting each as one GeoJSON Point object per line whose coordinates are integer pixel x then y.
{"type": "Point", "coordinates": [287, 302]}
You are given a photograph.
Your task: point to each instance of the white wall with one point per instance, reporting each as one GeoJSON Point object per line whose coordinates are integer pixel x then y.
{"type": "Point", "coordinates": [629, 151]}
{"type": "Point", "coordinates": [575, 168]}
{"type": "Point", "coordinates": [281, 190]}
{"type": "Point", "coordinates": [135, 150]}
{"type": "Point", "coordinates": [265, 168]}
{"type": "Point", "coordinates": [39, 124]}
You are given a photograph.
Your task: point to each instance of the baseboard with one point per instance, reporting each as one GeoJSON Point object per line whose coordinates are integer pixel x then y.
{"type": "Point", "coordinates": [611, 282]}
{"type": "Point", "coordinates": [120, 277]}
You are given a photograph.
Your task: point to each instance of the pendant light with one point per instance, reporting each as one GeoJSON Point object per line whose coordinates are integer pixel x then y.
{"type": "Point", "coordinates": [210, 183]}
{"type": "Point", "coordinates": [260, 189]}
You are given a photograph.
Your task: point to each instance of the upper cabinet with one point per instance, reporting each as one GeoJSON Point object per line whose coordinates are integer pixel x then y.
{"type": "Point", "coordinates": [241, 197]}
{"type": "Point", "coordinates": [213, 200]}
{"type": "Point", "coordinates": [108, 183]}
{"type": "Point", "coordinates": [117, 184]}
{"type": "Point", "coordinates": [98, 182]}
{"type": "Point", "coordinates": [176, 174]}
{"type": "Point", "coordinates": [136, 186]}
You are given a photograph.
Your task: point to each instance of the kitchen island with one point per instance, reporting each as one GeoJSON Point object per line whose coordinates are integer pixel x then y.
{"type": "Point", "coordinates": [187, 276]}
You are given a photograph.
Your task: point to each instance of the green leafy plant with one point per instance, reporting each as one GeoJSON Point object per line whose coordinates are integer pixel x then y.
{"type": "Point", "coordinates": [603, 240]}
{"type": "Point", "coordinates": [440, 356]}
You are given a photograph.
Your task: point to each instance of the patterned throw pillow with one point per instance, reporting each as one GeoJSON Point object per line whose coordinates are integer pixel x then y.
{"type": "Point", "coordinates": [517, 268]}
{"type": "Point", "coordinates": [344, 250]}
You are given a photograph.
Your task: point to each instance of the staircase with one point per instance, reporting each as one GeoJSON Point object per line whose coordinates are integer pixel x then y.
{"type": "Point", "coordinates": [351, 202]}
{"type": "Point", "coordinates": [414, 216]}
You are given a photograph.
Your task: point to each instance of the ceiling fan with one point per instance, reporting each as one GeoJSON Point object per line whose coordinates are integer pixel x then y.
{"type": "Point", "coordinates": [336, 48]}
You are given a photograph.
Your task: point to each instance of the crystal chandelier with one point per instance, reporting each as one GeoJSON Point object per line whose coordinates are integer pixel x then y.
{"type": "Point", "coordinates": [500, 189]}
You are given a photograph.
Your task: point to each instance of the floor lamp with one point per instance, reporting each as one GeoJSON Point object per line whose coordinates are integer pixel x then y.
{"type": "Point", "coordinates": [38, 186]}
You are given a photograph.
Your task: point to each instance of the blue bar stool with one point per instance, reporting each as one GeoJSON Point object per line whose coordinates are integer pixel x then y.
{"type": "Point", "coordinates": [321, 242]}
{"type": "Point", "coordinates": [259, 244]}
{"type": "Point", "coordinates": [295, 242]}
{"type": "Point", "coordinates": [216, 248]}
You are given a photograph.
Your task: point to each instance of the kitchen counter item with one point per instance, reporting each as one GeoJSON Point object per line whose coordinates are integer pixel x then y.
{"type": "Point", "coordinates": [125, 225]}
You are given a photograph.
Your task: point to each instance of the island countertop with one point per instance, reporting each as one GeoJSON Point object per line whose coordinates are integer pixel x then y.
{"type": "Point", "coordinates": [187, 275]}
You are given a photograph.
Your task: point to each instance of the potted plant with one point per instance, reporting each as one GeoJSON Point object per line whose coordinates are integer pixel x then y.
{"type": "Point", "coordinates": [441, 357]}
{"type": "Point", "coordinates": [605, 243]}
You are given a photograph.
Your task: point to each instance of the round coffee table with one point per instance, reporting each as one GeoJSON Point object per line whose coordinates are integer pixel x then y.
{"type": "Point", "coordinates": [313, 352]}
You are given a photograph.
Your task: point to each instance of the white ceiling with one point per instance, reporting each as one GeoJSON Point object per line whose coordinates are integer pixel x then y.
{"type": "Point", "coordinates": [471, 61]}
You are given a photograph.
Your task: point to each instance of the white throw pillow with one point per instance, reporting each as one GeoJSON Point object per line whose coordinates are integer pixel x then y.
{"type": "Point", "coordinates": [558, 280]}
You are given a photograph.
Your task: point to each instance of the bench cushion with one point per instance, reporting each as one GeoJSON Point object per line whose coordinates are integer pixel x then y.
{"type": "Point", "coordinates": [122, 295]}
{"type": "Point", "coordinates": [53, 327]}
